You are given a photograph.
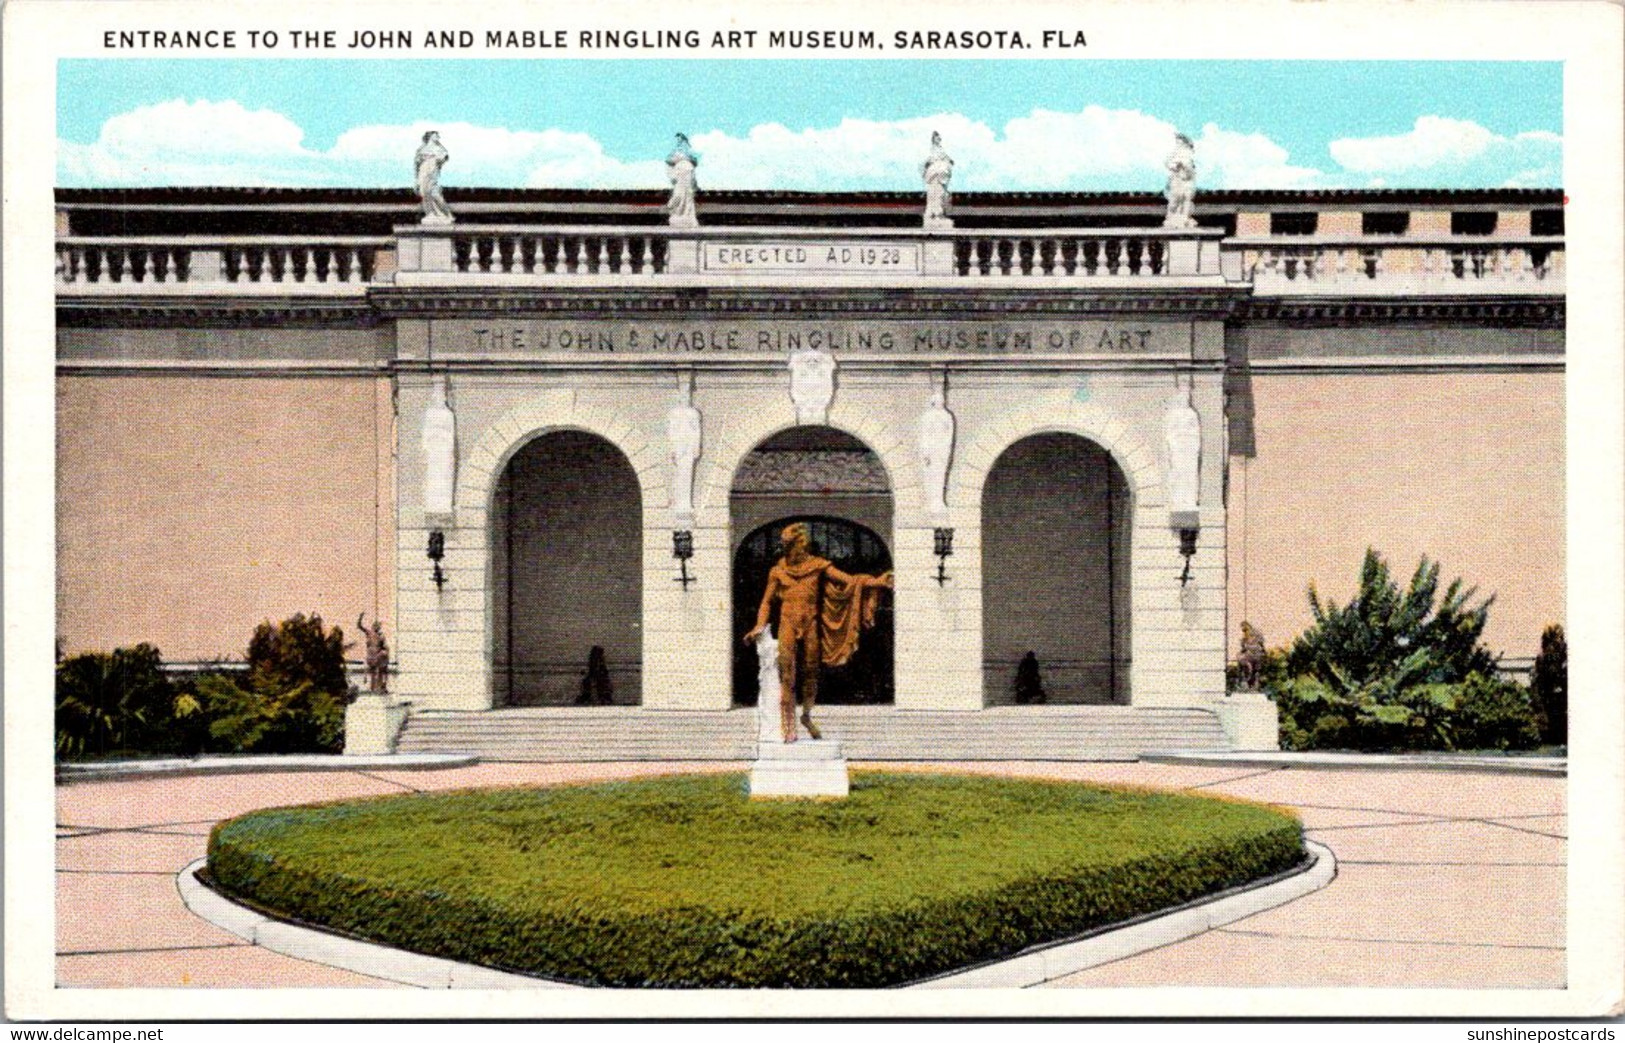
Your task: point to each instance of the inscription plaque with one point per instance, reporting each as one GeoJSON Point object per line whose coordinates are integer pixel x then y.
{"type": "Point", "coordinates": [813, 256]}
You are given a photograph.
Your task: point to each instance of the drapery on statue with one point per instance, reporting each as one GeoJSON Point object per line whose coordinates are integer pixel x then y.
{"type": "Point", "coordinates": [1181, 191]}
{"type": "Point", "coordinates": [937, 171]}
{"type": "Point", "coordinates": [821, 612]}
{"type": "Point", "coordinates": [431, 156]}
{"type": "Point", "coordinates": [377, 655]}
{"type": "Point", "coordinates": [680, 170]}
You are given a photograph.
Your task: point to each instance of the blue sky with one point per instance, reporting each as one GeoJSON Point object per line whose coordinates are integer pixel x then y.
{"type": "Point", "coordinates": [1010, 125]}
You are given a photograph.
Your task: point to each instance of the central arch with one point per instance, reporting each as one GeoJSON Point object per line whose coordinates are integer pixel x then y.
{"type": "Point", "coordinates": [837, 485]}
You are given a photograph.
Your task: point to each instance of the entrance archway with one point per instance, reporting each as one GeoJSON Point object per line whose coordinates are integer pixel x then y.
{"type": "Point", "coordinates": [567, 572]}
{"type": "Point", "coordinates": [1056, 534]}
{"type": "Point", "coordinates": [838, 486]}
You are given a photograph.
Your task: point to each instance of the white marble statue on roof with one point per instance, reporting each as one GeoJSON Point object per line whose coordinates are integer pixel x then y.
{"type": "Point", "coordinates": [431, 156]}
{"type": "Point", "coordinates": [680, 170]}
{"type": "Point", "coordinates": [937, 171]}
{"type": "Point", "coordinates": [1181, 189]}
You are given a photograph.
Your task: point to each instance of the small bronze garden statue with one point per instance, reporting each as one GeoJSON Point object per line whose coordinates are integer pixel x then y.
{"type": "Point", "coordinates": [377, 655]}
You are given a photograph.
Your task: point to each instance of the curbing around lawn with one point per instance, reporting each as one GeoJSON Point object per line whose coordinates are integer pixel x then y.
{"type": "Point", "coordinates": [1043, 963]}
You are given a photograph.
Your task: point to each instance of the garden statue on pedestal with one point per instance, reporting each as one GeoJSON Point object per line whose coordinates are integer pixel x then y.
{"type": "Point", "coordinates": [822, 610]}
{"type": "Point", "coordinates": [1250, 663]}
{"type": "Point", "coordinates": [377, 655]}
{"type": "Point", "coordinates": [431, 156]}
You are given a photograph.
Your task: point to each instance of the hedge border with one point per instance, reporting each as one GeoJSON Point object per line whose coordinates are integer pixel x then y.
{"type": "Point", "coordinates": [701, 948]}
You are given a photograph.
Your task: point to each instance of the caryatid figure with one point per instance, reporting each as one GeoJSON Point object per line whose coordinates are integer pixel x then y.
{"type": "Point", "coordinates": [1182, 431]}
{"type": "Point", "coordinates": [680, 171]}
{"type": "Point", "coordinates": [431, 156]}
{"type": "Point", "coordinates": [1181, 191]}
{"type": "Point", "coordinates": [683, 439]}
{"type": "Point", "coordinates": [822, 610]}
{"type": "Point", "coordinates": [936, 451]}
{"type": "Point", "coordinates": [812, 384]}
{"type": "Point", "coordinates": [937, 171]}
{"type": "Point", "coordinates": [439, 453]}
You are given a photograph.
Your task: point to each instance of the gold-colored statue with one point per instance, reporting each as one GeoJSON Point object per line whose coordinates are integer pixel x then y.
{"type": "Point", "coordinates": [821, 612]}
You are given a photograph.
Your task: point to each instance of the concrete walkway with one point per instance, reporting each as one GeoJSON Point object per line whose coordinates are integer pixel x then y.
{"type": "Point", "coordinates": [1445, 879]}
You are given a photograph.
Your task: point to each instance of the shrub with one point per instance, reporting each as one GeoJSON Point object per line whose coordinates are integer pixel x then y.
{"type": "Point", "coordinates": [111, 702]}
{"type": "Point", "coordinates": [1388, 637]}
{"type": "Point", "coordinates": [1492, 714]}
{"type": "Point", "coordinates": [684, 882]}
{"type": "Point", "coordinates": [1549, 686]}
{"type": "Point", "coordinates": [299, 651]}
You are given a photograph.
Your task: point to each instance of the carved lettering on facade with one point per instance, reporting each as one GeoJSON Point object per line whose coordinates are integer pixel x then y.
{"type": "Point", "coordinates": [810, 256]}
{"type": "Point", "coordinates": [776, 339]}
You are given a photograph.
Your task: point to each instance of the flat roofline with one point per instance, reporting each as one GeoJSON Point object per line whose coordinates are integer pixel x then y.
{"type": "Point", "coordinates": [216, 196]}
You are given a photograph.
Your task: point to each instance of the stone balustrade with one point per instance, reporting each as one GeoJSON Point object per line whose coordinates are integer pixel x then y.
{"type": "Point", "coordinates": [1394, 265]}
{"type": "Point", "coordinates": [462, 254]}
{"type": "Point", "coordinates": [238, 264]}
{"type": "Point", "coordinates": [520, 255]}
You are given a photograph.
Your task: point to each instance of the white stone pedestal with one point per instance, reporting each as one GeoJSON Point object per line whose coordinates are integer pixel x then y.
{"type": "Point", "coordinates": [372, 724]}
{"type": "Point", "coordinates": [807, 768]}
{"type": "Point", "coordinates": [1250, 720]}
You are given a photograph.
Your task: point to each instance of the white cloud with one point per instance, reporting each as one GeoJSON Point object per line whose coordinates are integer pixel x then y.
{"type": "Point", "coordinates": [185, 142]}
{"type": "Point", "coordinates": [1441, 146]}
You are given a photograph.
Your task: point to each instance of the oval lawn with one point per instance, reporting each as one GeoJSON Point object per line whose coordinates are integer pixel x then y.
{"type": "Point", "coordinates": [683, 881]}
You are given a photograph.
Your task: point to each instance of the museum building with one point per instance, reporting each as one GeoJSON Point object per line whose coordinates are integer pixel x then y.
{"type": "Point", "coordinates": [564, 422]}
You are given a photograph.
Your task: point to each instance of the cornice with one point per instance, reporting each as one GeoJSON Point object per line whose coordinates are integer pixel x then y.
{"type": "Point", "coordinates": [1205, 302]}
{"type": "Point", "coordinates": [1548, 312]}
{"type": "Point", "coordinates": [214, 313]}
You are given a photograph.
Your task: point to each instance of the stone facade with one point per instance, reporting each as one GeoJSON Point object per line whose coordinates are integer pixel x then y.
{"type": "Point", "coordinates": [1399, 392]}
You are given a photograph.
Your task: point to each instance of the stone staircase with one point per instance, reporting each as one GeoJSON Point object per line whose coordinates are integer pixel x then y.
{"type": "Point", "coordinates": [1064, 733]}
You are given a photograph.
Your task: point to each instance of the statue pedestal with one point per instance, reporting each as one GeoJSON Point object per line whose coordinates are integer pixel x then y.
{"type": "Point", "coordinates": [372, 723]}
{"type": "Point", "coordinates": [1250, 720]}
{"type": "Point", "coordinates": [806, 768]}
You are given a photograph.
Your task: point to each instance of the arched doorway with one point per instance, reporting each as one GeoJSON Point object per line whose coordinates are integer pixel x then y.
{"type": "Point", "coordinates": [1056, 534]}
{"type": "Point", "coordinates": [566, 571]}
{"type": "Point", "coordinates": [838, 486]}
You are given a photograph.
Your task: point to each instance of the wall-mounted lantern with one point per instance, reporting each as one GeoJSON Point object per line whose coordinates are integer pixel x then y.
{"type": "Point", "coordinates": [682, 548]}
{"type": "Point", "coordinates": [1187, 547]}
{"type": "Point", "coordinates": [437, 551]}
{"type": "Point", "coordinates": [943, 546]}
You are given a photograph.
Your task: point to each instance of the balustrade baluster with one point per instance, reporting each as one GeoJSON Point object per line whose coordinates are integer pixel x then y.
{"type": "Point", "coordinates": [343, 259]}
{"type": "Point", "coordinates": [595, 252]}
{"type": "Point", "coordinates": [485, 247]}
{"type": "Point", "coordinates": [324, 262]}
{"type": "Point", "coordinates": [1136, 257]}
{"type": "Point", "coordinates": [138, 264]}
{"type": "Point", "coordinates": [1046, 257]}
{"type": "Point", "coordinates": [962, 256]}
{"type": "Point", "coordinates": [984, 256]}
{"type": "Point", "coordinates": [527, 254]}
{"type": "Point", "coordinates": [1006, 251]}
{"type": "Point", "coordinates": [160, 265]}
{"type": "Point", "coordinates": [572, 255]}
{"type": "Point", "coordinates": [115, 265]}
{"type": "Point", "coordinates": [1024, 253]}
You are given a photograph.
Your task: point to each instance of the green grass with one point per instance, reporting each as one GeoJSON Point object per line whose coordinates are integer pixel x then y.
{"type": "Point", "coordinates": [685, 882]}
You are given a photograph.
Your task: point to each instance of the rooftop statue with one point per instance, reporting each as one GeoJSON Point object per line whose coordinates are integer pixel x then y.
{"type": "Point", "coordinates": [680, 169]}
{"type": "Point", "coordinates": [1181, 189]}
{"type": "Point", "coordinates": [431, 156]}
{"type": "Point", "coordinates": [937, 171]}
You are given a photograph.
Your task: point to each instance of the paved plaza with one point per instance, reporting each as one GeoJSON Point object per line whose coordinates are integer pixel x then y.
{"type": "Point", "coordinates": [1444, 879]}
